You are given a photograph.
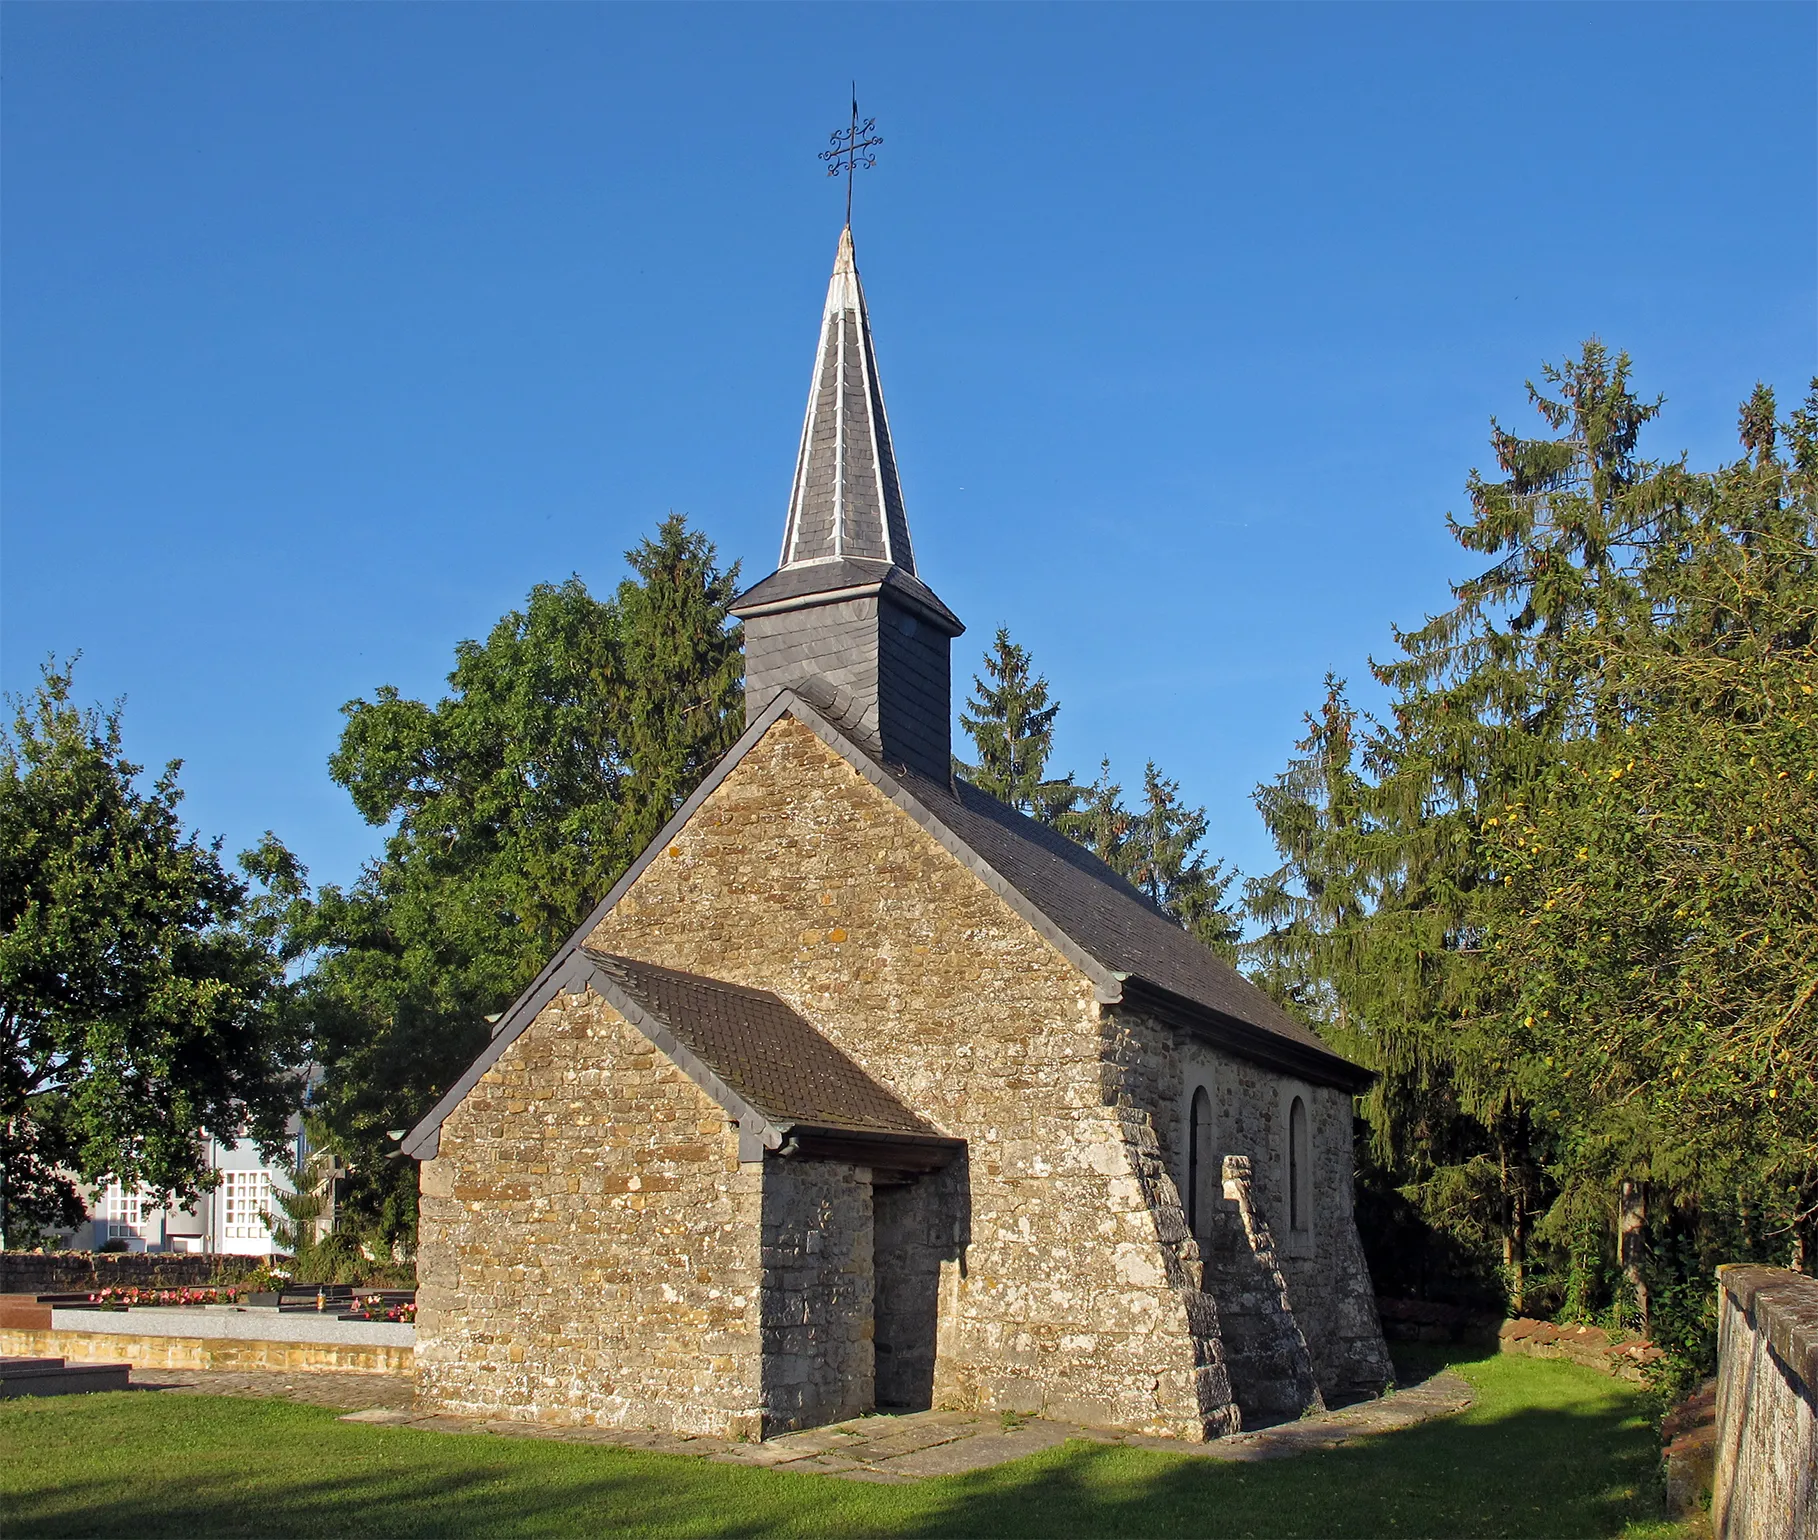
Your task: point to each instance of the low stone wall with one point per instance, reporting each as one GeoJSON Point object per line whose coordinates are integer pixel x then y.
{"type": "Point", "coordinates": [1616, 1354]}
{"type": "Point", "coordinates": [72, 1272]}
{"type": "Point", "coordinates": [81, 1347]}
{"type": "Point", "coordinates": [1688, 1455]}
{"type": "Point", "coordinates": [1766, 1485]}
{"type": "Point", "coordinates": [260, 1324]}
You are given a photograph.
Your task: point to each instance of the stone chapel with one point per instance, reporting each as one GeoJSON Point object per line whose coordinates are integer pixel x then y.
{"type": "Point", "coordinates": [862, 1090]}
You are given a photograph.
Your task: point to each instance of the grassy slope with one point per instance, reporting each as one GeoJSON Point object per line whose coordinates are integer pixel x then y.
{"type": "Point", "coordinates": [1549, 1450]}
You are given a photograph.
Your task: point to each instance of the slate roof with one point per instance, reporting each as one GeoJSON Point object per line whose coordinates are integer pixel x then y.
{"type": "Point", "coordinates": [1104, 915]}
{"type": "Point", "coordinates": [847, 499]}
{"type": "Point", "coordinates": [762, 1050]}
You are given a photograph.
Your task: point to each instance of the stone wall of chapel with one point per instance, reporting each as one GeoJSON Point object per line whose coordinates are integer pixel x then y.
{"type": "Point", "coordinates": [1328, 1279]}
{"type": "Point", "coordinates": [816, 1310]}
{"type": "Point", "coordinates": [799, 876]}
{"type": "Point", "coordinates": [588, 1242]}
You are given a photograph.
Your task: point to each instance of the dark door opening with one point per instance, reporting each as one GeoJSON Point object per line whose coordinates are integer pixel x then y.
{"type": "Point", "coordinates": [910, 1236]}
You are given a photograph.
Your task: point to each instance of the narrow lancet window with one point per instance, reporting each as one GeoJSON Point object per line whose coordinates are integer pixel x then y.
{"type": "Point", "coordinates": [1298, 1163]}
{"type": "Point", "coordinates": [1201, 1176]}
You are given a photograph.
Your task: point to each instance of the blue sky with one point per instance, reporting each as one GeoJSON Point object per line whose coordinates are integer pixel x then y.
{"type": "Point", "coordinates": [329, 330]}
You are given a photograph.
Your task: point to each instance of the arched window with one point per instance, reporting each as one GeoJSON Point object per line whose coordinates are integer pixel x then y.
{"type": "Point", "coordinates": [1202, 1180]}
{"type": "Point", "coordinates": [1299, 1168]}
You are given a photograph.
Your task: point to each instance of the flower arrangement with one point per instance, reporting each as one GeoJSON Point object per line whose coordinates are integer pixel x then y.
{"type": "Point", "coordinates": [372, 1307]}
{"type": "Point", "coordinates": [132, 1295]}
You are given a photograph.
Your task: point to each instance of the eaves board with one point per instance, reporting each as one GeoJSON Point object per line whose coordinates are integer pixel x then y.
{"type": "Point", "coordinates": [1247, 1041]}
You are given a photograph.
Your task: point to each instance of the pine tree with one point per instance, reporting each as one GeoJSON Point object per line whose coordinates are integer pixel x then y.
{"type": "Point", "coordinates": [1011, 722]}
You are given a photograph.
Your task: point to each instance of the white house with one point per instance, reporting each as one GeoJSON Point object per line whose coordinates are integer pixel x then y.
{"type": "Point", "coordinates": [231, 1219]}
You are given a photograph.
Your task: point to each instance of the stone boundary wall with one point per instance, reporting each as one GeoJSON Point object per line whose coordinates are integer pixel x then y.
{"type": "Point", "coordinates": [240, 1354]}
{"type": "Point", "coordinates": [72, 1272]}
{"type": "Point", "coordinates": [1766, 1484]}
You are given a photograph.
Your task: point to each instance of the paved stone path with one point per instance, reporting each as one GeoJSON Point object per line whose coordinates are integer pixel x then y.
{"type": "Point", "coordinates": [339, 1389]}
{"type": "Point", "coordinates": [913, 1446]}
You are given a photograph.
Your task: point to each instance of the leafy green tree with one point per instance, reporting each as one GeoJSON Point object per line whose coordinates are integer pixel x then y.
{"type": "Point", "coordinates": [569, 738]}
{"type": "Point", "coordinates": [1513, 897]}
{"type": "Point", "coordinates": [140, 980]}
{"type": "Point", "coordinates": [1659, 894]}
{"type": "Point", "coordinates": [1011, 722]}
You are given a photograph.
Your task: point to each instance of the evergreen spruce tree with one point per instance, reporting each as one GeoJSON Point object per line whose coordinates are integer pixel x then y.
{"type": "Point", "coordinates": [681, 675]}
{"type": "Point", "coordinates": [1161, 852]}
{"type": "Point", "coordinates": [1158, 847]}
{"type": "Point", "coordinates": [1524, 895]}
{"type": "Point", "coordinates": [1011, 722]}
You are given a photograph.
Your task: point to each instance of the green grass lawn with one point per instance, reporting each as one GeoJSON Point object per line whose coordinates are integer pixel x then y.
{"type": "Point", "coordinates": [1548, 1450]}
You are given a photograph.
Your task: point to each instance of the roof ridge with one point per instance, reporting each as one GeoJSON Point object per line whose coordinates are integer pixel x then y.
{"type": "Point", "coordinates": [1158, 957]}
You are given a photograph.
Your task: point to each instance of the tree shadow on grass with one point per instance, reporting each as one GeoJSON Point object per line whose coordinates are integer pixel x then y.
{"type": "Point", "coordinates": [1534, 1473]}
{"type": "Point", "coordinates": [1579, 1467]}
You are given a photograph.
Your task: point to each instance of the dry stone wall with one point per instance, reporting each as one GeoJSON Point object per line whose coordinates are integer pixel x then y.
{"type": "Point", "coordinates": [1058, 1293]}
{"type": "Point", "coordinates": [589, 1242]}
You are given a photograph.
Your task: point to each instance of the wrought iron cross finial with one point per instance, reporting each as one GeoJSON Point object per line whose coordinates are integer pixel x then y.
{"type": "Point", "coordinates": [850, 152]}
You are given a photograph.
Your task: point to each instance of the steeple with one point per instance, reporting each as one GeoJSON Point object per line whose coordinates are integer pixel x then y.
{"type": "Point", "coordinates": [846, 500]}
{"type": "Point", "coordinates": [844, 620]}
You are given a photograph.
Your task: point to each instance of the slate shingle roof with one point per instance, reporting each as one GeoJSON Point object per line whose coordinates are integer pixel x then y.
{"type": "Point", "coordinates": [1098, 910]}
{"type": "Point", "coordinates": [847, 499]}
{"type": "Point", "coordinates": [762, 1050]}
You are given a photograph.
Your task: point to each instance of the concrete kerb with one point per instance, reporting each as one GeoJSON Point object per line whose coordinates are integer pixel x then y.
{"type": "Point", "coordinates": [914, 1446]}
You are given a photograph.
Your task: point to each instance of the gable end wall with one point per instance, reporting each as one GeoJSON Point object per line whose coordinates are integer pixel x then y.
{"type": "Point", "coordinates": [588, 1245]}
{"type": "Point", "coordinates": [1063, 1288]}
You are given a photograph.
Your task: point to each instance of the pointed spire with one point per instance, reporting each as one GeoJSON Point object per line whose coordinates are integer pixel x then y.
{"type": "Point", "coordinates": [846, 501]}
{"type": "Point", "coordinates": [844, 621]}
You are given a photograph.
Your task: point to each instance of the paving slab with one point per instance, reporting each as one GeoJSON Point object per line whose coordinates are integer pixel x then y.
{"type": "Point", "coordinates": [327, 1387]}
{"type": "Point", "coordinates": [914, 1446]}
